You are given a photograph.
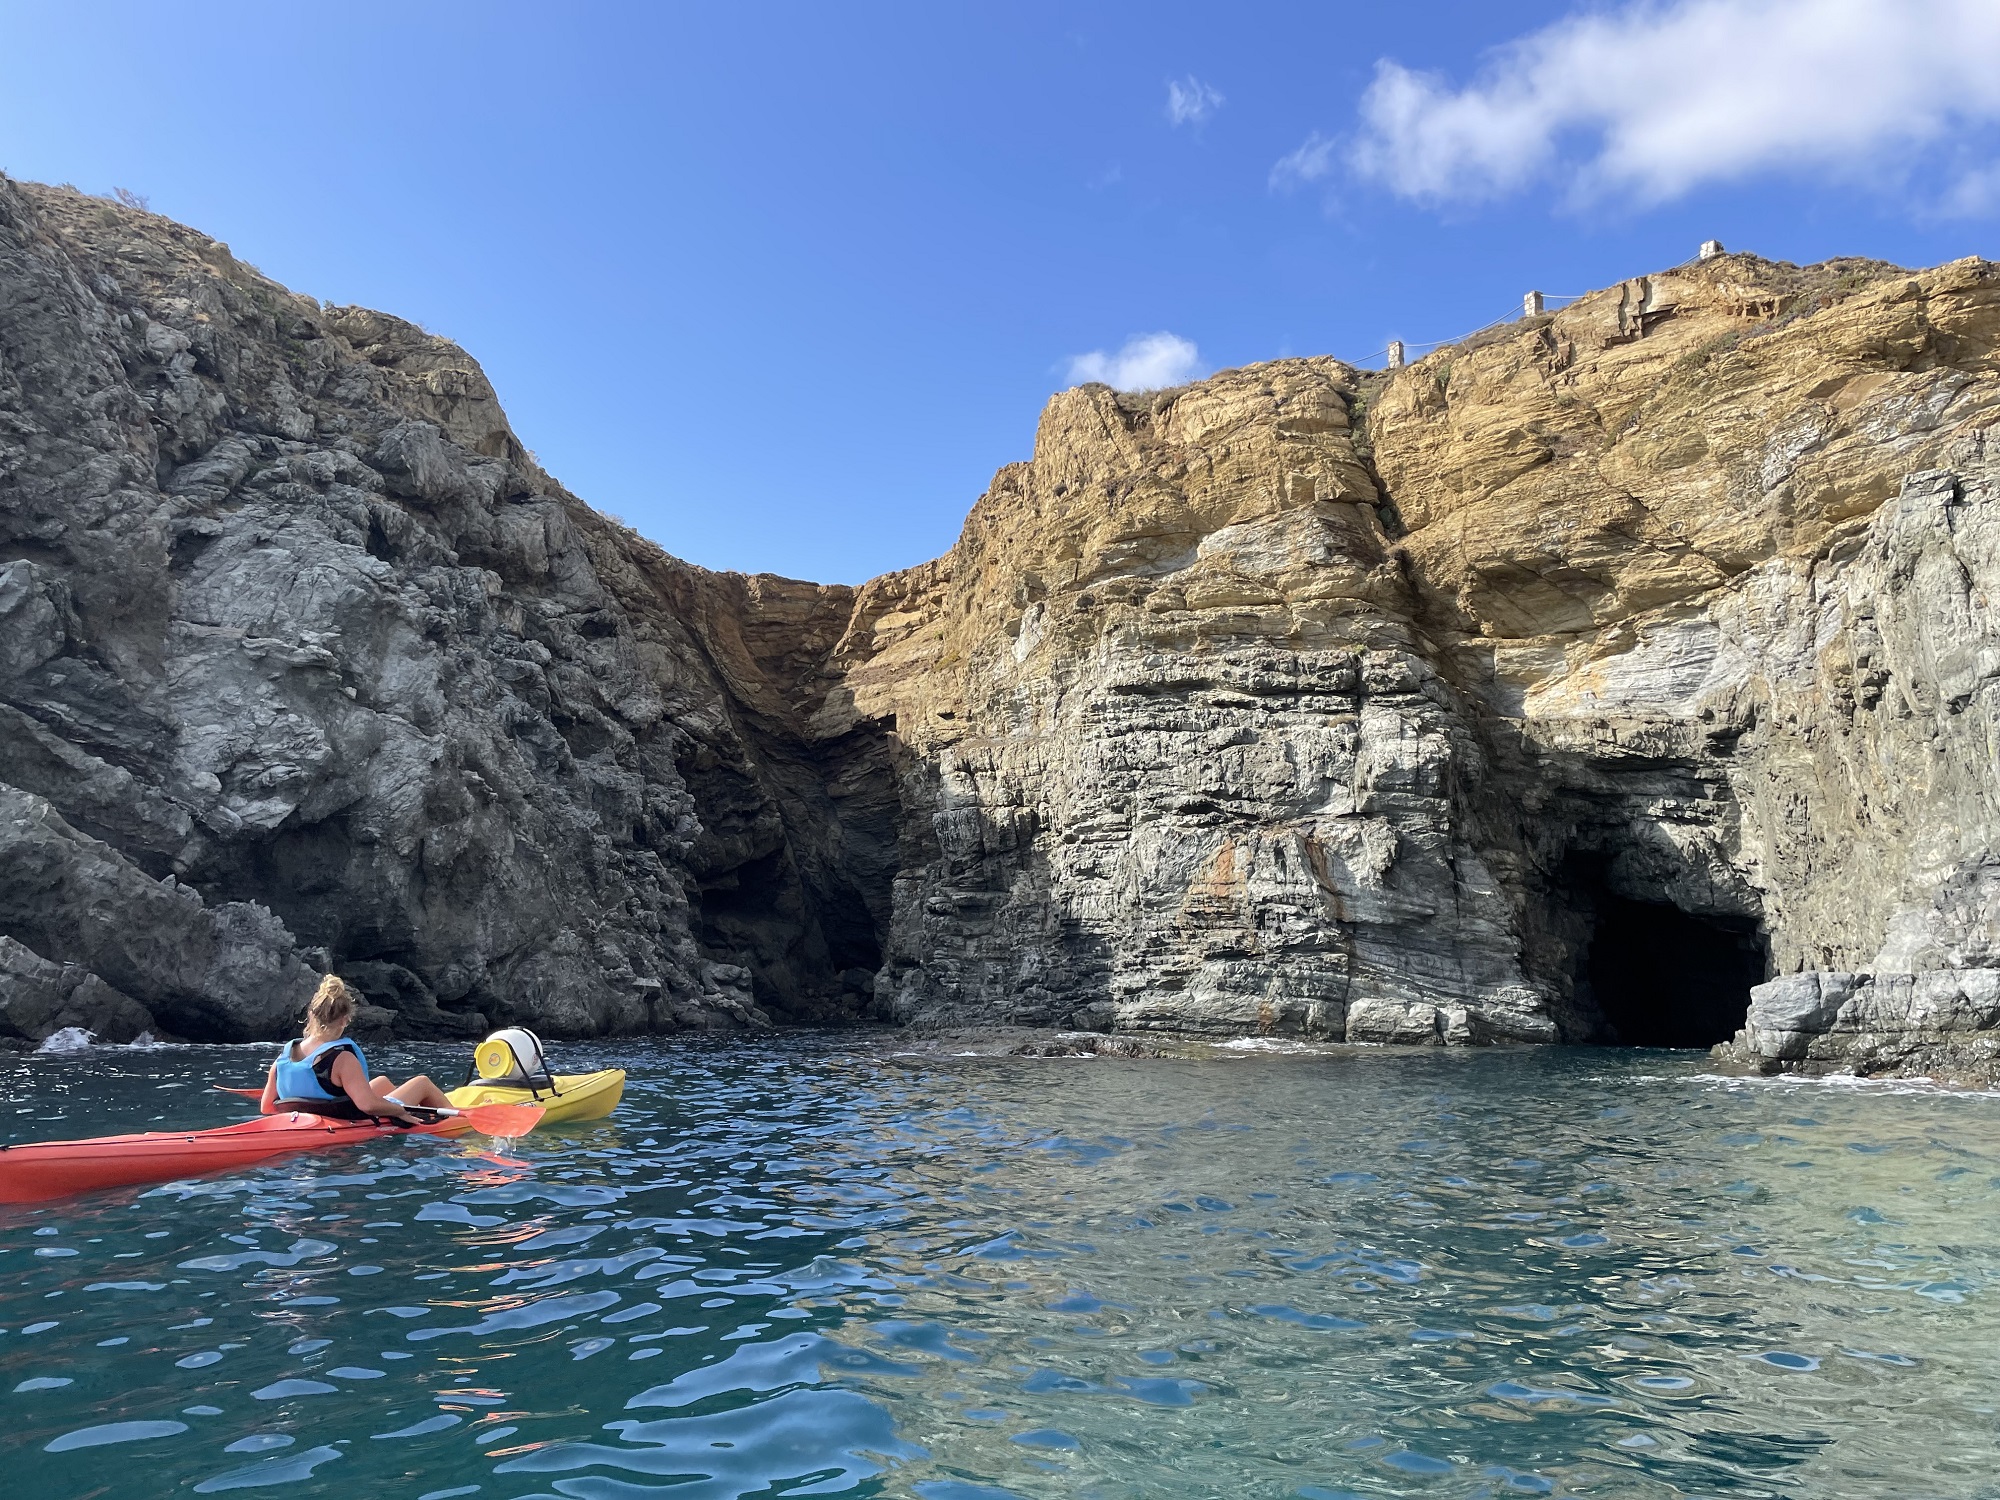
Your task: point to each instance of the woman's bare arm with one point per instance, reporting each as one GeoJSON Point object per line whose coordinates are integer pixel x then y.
{"type": "Point", "coordinates": [269, 1103]}
{"type": "Point", "coordinates": [352, 1079]}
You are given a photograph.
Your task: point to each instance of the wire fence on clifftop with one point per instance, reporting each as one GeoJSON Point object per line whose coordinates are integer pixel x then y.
{"type": "Point", "coordinates": [1551, 302]}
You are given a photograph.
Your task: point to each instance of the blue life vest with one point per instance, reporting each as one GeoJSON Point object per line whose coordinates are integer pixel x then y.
{"type": "Point", "coordinates": [311, 1077]}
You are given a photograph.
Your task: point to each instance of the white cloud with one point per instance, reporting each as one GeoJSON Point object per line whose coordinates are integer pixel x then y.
{"type": "Point", "coordinates": [1312, 161]}
{"type": "Point", "coordinates": [1190, 101]}
{"type": "Point", "coordinates": [1148, 362]}
{"type": "Point", "coordinates": [1652, 100]}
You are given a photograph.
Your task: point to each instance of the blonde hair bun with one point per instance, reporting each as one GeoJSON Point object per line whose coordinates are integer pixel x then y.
{"type": "Point", "coordinates": [332, 1005]}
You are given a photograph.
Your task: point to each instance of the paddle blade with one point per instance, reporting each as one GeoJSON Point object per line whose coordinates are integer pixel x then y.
{"type": "Point", "coordinates": [246, 1093]}
{"type": "Point", "coordinates": [505, 1120]}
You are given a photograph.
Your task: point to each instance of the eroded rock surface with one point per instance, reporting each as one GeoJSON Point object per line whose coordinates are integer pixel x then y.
{"type": "Point", "coordinates": [1944, 1021]}
{"type": "Point", "coordinates": [1394, 708]}
{"type": "Point", "coordinates": [1560, 686]}
{"type": "Point", "coordinates": [304, 661]}
{"type": "Point", "coordinates": [1186, 759]}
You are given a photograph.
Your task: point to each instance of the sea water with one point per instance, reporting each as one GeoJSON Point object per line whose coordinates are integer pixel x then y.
{"type": "Point", "coordinates": [809, 1266]}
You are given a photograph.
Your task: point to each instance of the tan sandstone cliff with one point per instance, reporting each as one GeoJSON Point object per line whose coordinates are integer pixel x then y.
{"type": "Point", "coordinates": [1563, 685]}
{"type": "Point", "coordinates": [1305, 698]}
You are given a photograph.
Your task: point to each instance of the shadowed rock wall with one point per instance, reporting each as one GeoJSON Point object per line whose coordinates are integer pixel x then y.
{"type": "Point", "coordinates": [304, 662]}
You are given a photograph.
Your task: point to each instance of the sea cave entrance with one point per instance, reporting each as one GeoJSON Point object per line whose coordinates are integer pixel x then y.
{"type": "Point", "coordinates": [1663, 977]}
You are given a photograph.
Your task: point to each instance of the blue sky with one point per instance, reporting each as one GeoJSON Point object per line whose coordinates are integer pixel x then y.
{"type": "Point", "coordinates": [781, 285]}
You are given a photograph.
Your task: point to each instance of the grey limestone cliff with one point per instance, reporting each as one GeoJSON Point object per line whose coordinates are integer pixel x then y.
{"type": "Point", "coordinates": [303, 660]}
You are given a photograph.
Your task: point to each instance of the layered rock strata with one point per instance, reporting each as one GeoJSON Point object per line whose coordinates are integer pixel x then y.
{"type": "Point", "coordinates": [1308, 699]}
{"type": "Point", "coordinates": [1560, 686]}
{"type": "Point", "coordinates": [1188, 759]}
{"type": "Point", "coordinates": [1944, 1021]}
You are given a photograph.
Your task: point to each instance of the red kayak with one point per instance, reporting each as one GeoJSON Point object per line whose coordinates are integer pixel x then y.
{"type": "Point", "coordinates": [36, 1171]}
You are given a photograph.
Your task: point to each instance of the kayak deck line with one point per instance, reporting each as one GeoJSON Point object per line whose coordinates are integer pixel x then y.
{"type": "Point", "coordinates": [37, 1171]}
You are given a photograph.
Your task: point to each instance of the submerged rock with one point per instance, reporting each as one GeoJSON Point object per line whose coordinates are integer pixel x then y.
{"type": "Point", "coordinates": [1087, 1044]}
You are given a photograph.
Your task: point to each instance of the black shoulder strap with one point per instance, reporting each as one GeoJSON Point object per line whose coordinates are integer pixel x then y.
{"type": "Point", "coordinates": [323, 1062]}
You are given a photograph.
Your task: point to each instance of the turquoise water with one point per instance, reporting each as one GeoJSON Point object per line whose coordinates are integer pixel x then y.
{"type": "Point", "coordinates": [810, 1267]}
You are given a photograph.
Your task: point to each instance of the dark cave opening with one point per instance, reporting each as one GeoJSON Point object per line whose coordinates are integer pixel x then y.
{"type": "Point", "coordinates": [809, 942]}
{"type": "Point", "coordinates": [1662, 977]}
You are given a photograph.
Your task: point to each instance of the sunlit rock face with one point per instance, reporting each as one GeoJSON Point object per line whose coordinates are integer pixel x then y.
{"type": "Point", "coordinates": [1570, 684]}
{"type": "Point", "coordinates": [1715, 549]}
{"type": "Point", "coordinates": [1184, 757]}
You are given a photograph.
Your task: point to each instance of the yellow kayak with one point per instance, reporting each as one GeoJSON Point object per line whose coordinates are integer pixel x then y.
{"type": "Point", "coordinates": [577, 1096]}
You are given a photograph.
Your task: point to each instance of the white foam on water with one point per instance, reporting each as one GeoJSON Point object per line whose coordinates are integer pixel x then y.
{"type": "Point", "coordinates": [1917, 1087]}
{"type": "Point", "coordinates": [1266, 1044]}
{"type": "Point", "coordinates": [1925, 1086]}
{"type": "Point", "coordinates": [73, 1039]}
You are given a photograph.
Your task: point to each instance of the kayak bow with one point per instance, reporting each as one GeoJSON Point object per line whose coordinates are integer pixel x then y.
{"type": "Point", "coordinates": [36, 1171]}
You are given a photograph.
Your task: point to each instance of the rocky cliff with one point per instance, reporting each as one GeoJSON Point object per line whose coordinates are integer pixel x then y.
{"type": "Point", "coordinates": [1569, 684]}
{"type": "Point", "coordinates": [305, 662]}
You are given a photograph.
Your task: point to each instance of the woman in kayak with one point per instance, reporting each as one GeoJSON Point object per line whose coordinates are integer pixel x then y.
{"type": "Point", "coordinates": [324, 1073]}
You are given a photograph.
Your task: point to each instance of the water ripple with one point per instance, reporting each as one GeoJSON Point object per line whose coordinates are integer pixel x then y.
{"type": "Point", "coordinates": [806, 1266]}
